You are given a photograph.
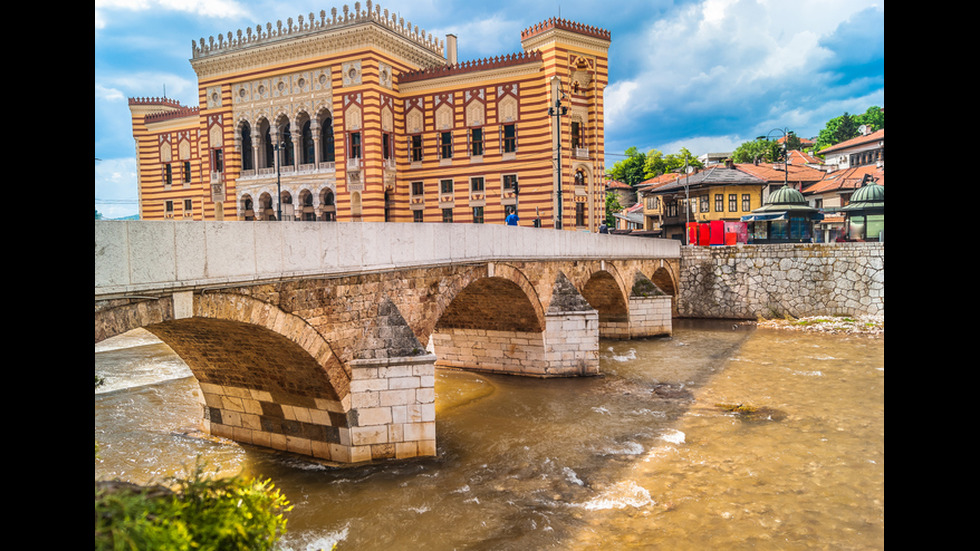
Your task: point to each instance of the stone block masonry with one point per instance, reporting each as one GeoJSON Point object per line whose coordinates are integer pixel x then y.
{"type": "Point", "coordinates": [393, 408]}
{"type": "Point", "coordinates": [774, 281]}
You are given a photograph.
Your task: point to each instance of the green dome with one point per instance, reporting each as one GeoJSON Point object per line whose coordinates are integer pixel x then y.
{"type": "Point", "coordinates": [786, 196]}
{"type": "Point", "coordinates": [871, 193]}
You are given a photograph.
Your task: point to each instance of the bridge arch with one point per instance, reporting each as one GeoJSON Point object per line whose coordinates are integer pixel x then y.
{"type": "Point", "coordinates": [493, 321]}
{"type": "Point", "coordinates": [267, 377]}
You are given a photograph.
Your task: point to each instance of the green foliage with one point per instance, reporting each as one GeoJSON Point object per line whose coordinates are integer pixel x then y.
{"type": "Point", "coordinates": [657, 163]}
{"type": "Point", "coordinates": [200, 513]}
{"type": "Point", "coordinates": [612, 206]}
{"type": "Point", "coordinates": [629, 170]}
{"type": "Point", "coordinates": [766, 151]}
{"type": "Point", "coordinates": [845, 127]}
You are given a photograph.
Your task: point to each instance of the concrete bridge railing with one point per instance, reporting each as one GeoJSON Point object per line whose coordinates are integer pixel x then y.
{"type": "Point", "coordinates": [159, 256]}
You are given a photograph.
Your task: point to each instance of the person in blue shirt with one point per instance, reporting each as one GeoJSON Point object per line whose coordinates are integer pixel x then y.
{"type": "Point", "coordinates": [512, 219]}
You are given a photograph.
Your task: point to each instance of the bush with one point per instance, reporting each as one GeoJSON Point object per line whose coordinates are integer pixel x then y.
{"type": "Point", "coordinates": [198, 513]}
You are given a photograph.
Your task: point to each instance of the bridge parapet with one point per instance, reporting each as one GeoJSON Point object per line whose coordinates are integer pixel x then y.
{"type": "Point", "coordinates": [153, 256]}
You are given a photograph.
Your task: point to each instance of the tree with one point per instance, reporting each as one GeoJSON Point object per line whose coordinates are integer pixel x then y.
{"type": "Point", "coordinates": [657, 163]}
{"type": "Point", "coordinates": [629, 170]}
{"type": "Point", "coordinates": [612, 207]}
{"type": "Point", "coordinates": [760, 149]}
{"type": "Point", "coordinates": [873, 118]}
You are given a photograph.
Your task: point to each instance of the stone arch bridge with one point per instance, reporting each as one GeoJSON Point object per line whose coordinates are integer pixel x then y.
{"type": "Point", "coordinates": [322, 339]}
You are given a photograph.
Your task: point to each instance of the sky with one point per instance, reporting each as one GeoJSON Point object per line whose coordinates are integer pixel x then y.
{"type": "Point", "coordinates": [706, 75]}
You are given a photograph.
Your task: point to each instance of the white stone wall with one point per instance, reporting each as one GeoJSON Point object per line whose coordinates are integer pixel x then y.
{"type": "Point", "coordinates": [393, 408]}
{"type": "Point", "coordinates": [650, 316]}
{"type": "Point", "coordinates": [767, 281]}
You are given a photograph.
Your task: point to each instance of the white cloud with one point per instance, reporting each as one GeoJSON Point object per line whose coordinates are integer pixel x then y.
{"type": "Point", "coordinates": [210, 8]}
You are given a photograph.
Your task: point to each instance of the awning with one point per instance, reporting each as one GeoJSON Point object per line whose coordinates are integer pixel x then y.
{"type": "Point", "coordinates": [766, 217]}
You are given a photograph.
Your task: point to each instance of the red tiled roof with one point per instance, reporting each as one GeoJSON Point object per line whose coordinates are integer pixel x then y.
{"type": "Point", "coordinates": [797, 173]}
{"type": "Point", "coordinates": [847, 179]}
{"type": "Point", "coordinates": [872, 137]}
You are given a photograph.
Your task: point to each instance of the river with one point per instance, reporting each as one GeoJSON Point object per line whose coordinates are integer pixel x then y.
{"type": "Point", "coordinates": [653, 454]}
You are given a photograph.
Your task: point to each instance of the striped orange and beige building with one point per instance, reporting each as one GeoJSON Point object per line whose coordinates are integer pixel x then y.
{"type": "Point", "coordinates": [361, 116]}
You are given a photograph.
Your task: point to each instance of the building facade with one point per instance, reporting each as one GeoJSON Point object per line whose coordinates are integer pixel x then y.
{"type": "Point", "coordinates": [360, 116]}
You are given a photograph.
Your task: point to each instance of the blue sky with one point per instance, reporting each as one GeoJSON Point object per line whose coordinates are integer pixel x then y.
{"type": "Point", "coordinates": [702, 74]}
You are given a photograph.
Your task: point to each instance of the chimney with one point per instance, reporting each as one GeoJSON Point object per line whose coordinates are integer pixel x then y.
{"type": "Point", "coordinates": [451, 49]}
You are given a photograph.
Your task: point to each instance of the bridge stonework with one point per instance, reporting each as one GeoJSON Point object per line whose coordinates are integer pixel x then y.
{"type": "Point", "coordinates": [338, 363]}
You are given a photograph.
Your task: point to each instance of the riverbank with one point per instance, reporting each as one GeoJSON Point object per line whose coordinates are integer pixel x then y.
{"type": "Point", "coordinates": [859, 325]}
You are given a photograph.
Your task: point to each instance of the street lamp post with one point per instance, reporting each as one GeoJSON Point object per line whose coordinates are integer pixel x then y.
{"type": "Point", "coordinates": [557, 111]}
{"type": "Point", "coordinates": [785, 132]}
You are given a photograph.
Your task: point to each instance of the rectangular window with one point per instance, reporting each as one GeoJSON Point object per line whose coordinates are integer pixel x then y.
{"type": "Point", "coordinates": [576, 129]}
{"type": "Point", "coordinates": [168, 207]}
{"type": "Point", "coordinates": [355, 145]}
{"type": "Point", "coordinates": [510, 138]}
{"type": "Point", "coordinates": [386, 145]}
{"type": "Point", "coordinates": [732, 202]}
{"type": "Point", "coordinates": [510, 183]}
{"type": "Point", "coordinates": [446, 187]}
{"type": "Point", "coordinates": [671, 208]}
{"type": "Point", "coordinates": [446, 145]}
{"type": "Point", "coordinates": [746, 202]}
{"type": "Point", "coordinates": [477, 215]}
{"type": "Point", "coordinates": [719, 202]}
{"type": "Point", "coordinates": [187, 171]}
{"type": "Point", "coordinates": [167, 174]}
{"type": "Point", "coordinates": [447, 216]}
{"type": "Point", "coordinates": [217, 161]}
{"type": "Point", "coordinates": [704, 203]}
{"type": "Point", "coordinates": [417, 188]}
{"type": "Point", "coordinates": [579, 214]}
{"type": "Point", "coordinates": [415, 147]}
{"type": "Point", "coordinates": [476, 184]}
{"type": "Point", "coordinates": [476, 142]}
{"type": "Point", "coordinates": [188, 206]}
{"type": "Point", "coordinates": [417, 216]}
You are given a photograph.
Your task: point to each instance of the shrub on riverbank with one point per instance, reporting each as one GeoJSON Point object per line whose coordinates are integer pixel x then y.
{"type": "Point", "coordinates": [198, 513]}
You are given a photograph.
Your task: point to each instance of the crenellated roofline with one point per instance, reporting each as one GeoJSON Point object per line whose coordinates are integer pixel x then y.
{"type": "Point", "coordinates": [564, 24]}
{"type": "Point", "coordinates": [305, 27]}
{"type": "Point", "coordinates": [495, 62]}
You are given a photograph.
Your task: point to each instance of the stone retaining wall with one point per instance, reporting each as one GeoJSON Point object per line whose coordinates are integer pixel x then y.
{"type": "Point", "coordinates": [767, 281]}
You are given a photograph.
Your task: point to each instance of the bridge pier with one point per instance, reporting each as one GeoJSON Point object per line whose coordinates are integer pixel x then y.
{"type": "Point", "coordinates": [393, 409]}
{"type": "Point", "coordinates": [568, 347]}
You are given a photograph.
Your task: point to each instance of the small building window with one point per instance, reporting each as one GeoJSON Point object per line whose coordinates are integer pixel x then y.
{"type": "Point", "coordinates": [732, 202]}
{"type": "Point", "coordinates": [446, 145]}
{"type": "Point", "coordinates": [704, 203]}
{"type": "Point", "coordinates": [447, 216]}
{"type": "Point", "coordinates": [476, 184]}
{"type": "Point", "coordinates": [510, 183]}
{"type": "Point", "coordinates": [746, 202]}
{"type": "Point", "coordinates": [417, 216]}
{"type": "Point", "coordinates": [355, 145]}
{"type": "Point", "coordinates": [167, 174]}
{"type": "Point", "coordinates": [477, 215]}
{"type": "Point", "coordinates": [579, 214]}
{"type": "Point", "coordinates": [415, 147]}
{"type": "Point", "coordinates": [187, 171]}
{"type": "Point", "coordinates": [217, 161]}
{"type": "Point", "coordinates": [510, 138]}
{"type": "Point", "coordinates": [476, 142]}
{"type": "Point", "coordinates": [719, 202]}
{"type": "Point", "coordinates": [417, 188]}
{"type": "Point", "coordinates": [446, 187]}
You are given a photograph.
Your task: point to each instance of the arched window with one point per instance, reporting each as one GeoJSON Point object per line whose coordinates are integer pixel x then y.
{"type": "Point", "coordinates": [307, 147]}
{"type": "Point", "coordinates": [270, 153]}
{"type": "Point", "coordinates": [326, 140]}
{"type": "Point", "coordinates": [246, 134]}
{"type": "Point", "coordinates": [286, 139]}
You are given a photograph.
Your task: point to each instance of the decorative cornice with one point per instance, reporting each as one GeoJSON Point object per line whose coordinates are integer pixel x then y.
{"type": "Point", "coordinates": [485, 64]}
{"type": "Point", "coordinates": [564, 24]}
{"type": "Point", "coordinates": [309, 27]}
